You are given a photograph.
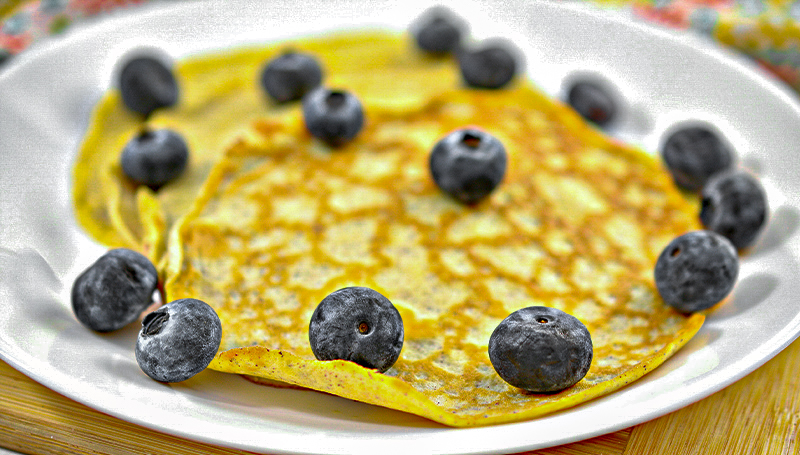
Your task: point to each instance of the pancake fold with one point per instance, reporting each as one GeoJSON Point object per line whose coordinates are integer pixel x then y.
{"type": "Point", "coordinates": [268, 221]}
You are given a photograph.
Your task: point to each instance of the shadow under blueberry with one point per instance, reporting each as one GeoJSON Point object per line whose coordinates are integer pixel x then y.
{"type": "Point", "coordinates": [124, 338]}
{"type": "Point", "coordinates": [748, 294]}
{"type": "Point", "coordinates": [783, 224]}
{"type": "Point", "coordinates": [67, 351]}
{"type": "Point", "coordinates": [27, 273]}
{"type": "Point", "coordinates": [32, 287]}
{"type": "Point", "coordinates": [294, 406]}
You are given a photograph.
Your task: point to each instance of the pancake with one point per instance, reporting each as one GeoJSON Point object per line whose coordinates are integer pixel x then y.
{"type": "Point", "coordinates": [268, 221]}
{"type": "Point", "coordinates": [577, 224]}
{"type": "Point", "coordinates": [219, 99]}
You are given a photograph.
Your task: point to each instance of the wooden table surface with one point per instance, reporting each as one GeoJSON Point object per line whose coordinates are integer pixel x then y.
{"type": "Point", "coordinates": [758, 415]}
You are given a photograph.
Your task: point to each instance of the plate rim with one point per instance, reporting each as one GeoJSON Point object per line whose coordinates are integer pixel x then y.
{"type": "Point", "coordinates": [738, 62]}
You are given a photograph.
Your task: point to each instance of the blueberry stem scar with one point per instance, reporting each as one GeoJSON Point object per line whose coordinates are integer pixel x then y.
{"type": "Point", "coordinates": [130, 272]}
{"type": "Point", "coordinates": [154, 321]}
{"type": "Point", "coordinates": [335, 100]}
{"type": "Point", "coordinates": [471, 140]}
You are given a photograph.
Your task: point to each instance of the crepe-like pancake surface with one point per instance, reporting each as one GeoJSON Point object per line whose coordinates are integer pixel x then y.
{"type": "Point", "coordinates": [219, 99]}
{"type": "Point", "coordinates": [282, 220]}
{"type": "Point", "coordinates": [576, 224]}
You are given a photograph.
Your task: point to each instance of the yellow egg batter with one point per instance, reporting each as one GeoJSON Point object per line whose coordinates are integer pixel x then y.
{"type": "Point", "coordinates": [268, 220]}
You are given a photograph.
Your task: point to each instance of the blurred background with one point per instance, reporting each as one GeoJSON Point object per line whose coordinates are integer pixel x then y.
{"type": "Point", "coordinates": [768, 31]}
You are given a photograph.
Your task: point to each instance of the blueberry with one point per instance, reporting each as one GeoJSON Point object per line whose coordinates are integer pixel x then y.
{"type": "Point", "coordinates": [693, 155]}
{"type": "Point", "coordinates": [113, 291]}
{"type": "Point", "coordinates": [147, 84]}
{"type": "Point", "coordinates": [696, 271]}
{"type": "Point", "coordinates": [357, 324]}
{"type": "Point", "coordinates": [154, 157]}
{"type": "Point", "coordinates": [290, 76]}
{"type": "Point", "coordinates": [334, 116]}
{"type": "Point", "coordinates": [468, 164]}
{"type": "Point", "coordinates": [592, 102]}
{"type": "Point", "coordinates": [735, 206]}
{"type": "Point", "coordinates": [541, 349]}
{"type": "Point", "coordinates": [438, 31]}
{"type": "Point", "coordinates": [178, 340]}
{"type": "Point", "coordinates": [491, 66]}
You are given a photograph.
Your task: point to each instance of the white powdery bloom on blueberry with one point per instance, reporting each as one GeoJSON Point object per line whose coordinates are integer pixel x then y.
{"type": "Point", "coordinates": [592, 102]}
{"type": "Point", "coordinates": [113, 292]}
{"type": "Point", "coordinates": [438, 31]}
{"type": "Point", "coordinates": [155, 158]}
{"type": "Point", "coordinates": [490, 65]}
{"type": "Point", "coordinates": [693, 155]}
{"type": "Point", "coordinates": [468, 164]}
{"type": "Point", "coordinates": [734, 205]}
{"type": "Point", "coordinates": [696, 271]}
{"type": "Point", "coordinates": [147, 84]}
{"type": "Point", "coordinates": [334, 116]}
{"type": "Point", "coordinates": [541, 349]}
{"type": "Point", "coordinates": [357, 324]}
{"type": "Point", "coordinates": [290, 76]}
{"type": "Point", "coordinates": [178, 340]}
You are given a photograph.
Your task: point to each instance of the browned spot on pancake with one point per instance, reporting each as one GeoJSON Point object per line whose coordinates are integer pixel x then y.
{"type": "Point", "coordinates": [281, 220]}
{"type": "Point", "coordinates": [453, 271]}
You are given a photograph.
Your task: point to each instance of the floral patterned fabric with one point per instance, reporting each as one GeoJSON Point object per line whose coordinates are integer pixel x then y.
{"type": "Point", "coordinates": [32, 20]}
{"type": "Point", "coordinates": [766, 30]}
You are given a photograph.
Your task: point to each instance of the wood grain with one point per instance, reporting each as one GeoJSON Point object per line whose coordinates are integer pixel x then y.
{"type": "Point", "coordinates": [760, 414]}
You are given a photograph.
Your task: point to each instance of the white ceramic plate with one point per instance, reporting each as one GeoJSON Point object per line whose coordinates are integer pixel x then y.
{"type": "Point", "coordinates": [662, 78]}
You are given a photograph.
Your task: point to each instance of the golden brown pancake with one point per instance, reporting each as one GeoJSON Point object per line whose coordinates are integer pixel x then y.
{"type": "Point", "coordinates": [219, 99]}
{"type": "Point", "coordinates": [282, 220]}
